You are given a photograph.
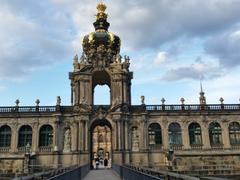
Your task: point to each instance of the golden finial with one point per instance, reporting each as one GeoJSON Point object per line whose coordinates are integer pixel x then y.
{"type": "Point", "coordinates": [101, 7]}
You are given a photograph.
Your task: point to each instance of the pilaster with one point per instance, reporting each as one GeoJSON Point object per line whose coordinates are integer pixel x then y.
{"type": "Point", "coordinates": [35, 137]}
{"type": "Point", "coordinates": [225, 135]}
{"type": "Point", "coordinates": [165, 136]}
{"type": "Point", "coordinates": [205, 136]}
{"type": "Point", "coordinates": [185, 137]}
{"type": "Point", "coordinates": [14, 137]}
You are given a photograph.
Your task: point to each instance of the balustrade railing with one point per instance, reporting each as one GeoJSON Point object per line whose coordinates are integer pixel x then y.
{"type": "Point", "coordinates": [189, 107]}
{"type": "Point", "coordinates": [23, 149]}
{"type": "Point", "coordinates": [177, 147]}
{"type": "Point", "coordinates": [217, 146]}
{"type": "Point", "coordinates": [196, 146]}
{"type": "Point", "coordinates": [133, 108]}
{"type": "Point", "coordinates": [235, 146]}
{"type": "Point", "coordinates": [155, 147]}
{"type": "Point", "coordinates": [45, 149]}
{"type": "Point", "coordinates": [4, 149]}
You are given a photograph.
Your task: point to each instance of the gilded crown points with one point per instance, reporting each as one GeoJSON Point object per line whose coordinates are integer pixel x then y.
{"type": "Point", "coordinates": [101, 7]}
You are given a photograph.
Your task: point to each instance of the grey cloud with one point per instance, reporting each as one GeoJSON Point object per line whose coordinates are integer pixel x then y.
{"type": "Point", "coordinates": [226, 48]}
{"type": "Point", "coordinates": [150, 24]}
{"type": "Point", "coordinates": [163, 21]}
{"type": "Point", "coordinates": [195, 71]}
{"type": "Point", "coordinates": [43, 30]}
{"type": "Point", "coordinates": [26, 46]}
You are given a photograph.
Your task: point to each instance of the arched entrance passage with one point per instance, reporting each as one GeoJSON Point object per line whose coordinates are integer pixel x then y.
{"type": "Point", "coordinates": [101, 142]}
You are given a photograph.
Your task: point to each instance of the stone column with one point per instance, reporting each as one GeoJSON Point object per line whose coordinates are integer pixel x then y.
{"type": "Point", "coordinates": [86, 136]}
{"type": "Point", "coordinates": [80, 124]}
{"type": "Point", "coordinates": [74, 140]}
{"type": "Point", "coordinates": [185, 137]}
{"type": "Point", "coordinates": [14, 137]}
{"type": "Point", "coordinates": [119, 135]}
{"type": "Point", "coordinates": [72, 94]}
{"type": "Point", "coordinates": [205, 136]}
{"type": "Point", "coordinates": [165, 136]}
{"type": "Point", "coordinates": [113, 137]}
{"type": "Point", "coordinates": [125, 90]}
{"type": "Point", "coordinates": [145, 134]}
{"type": "Point", "coordinates": [225, 135]}
{"type": "Point", "coordinates": [55, 135]}
{"type": "Point", "coordinates": [56, 143]}
{"type": "Point", "coordinates": [116, 135]}
{"type": "Point", "coordinates": [35, 137]}
{"type": "Point", "coordinates": [126, 136]}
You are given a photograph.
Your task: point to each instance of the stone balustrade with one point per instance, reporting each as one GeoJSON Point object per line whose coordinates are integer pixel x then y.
{"type": "Point", "coordinates": [4, 149]}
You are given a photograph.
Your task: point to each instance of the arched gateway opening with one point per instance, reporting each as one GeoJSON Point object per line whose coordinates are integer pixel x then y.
{"type": "Point", "coordinates": [100, 143]}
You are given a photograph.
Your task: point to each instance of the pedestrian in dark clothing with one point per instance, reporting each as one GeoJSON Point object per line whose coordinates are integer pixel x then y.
{"type": "Point", "coordinates": [105, 162]}
{"type": "Point", "coordinates": [97, 162]}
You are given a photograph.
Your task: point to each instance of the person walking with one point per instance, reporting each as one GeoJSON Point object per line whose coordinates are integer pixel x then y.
{"type": "Point", "coordinates": [105, 163]}
{"type": "Point", "coordinates": [97, 162]}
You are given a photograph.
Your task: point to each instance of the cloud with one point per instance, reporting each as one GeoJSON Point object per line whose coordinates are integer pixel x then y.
{"type": "Point", "coordinates": [163, 21]}
{"type": "Point", "coordinates": [226, 48]}
{"type": "Point", "coordinates": [196, 71]}
{"type": "Point", "coordinates": [141, 24]}
{"type": "Point", "coordinates": [162, 57]}
{"type": "Point", "coordinates": [36, 34]}
{"type": "Point", "coordinates": [26, 45]}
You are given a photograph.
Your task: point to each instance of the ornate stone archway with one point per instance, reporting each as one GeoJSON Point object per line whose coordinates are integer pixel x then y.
{"type": "Point", "coordinates": [100, 142]}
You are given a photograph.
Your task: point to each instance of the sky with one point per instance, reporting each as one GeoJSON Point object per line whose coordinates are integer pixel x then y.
{"type": "Point", "coordinates": [172, 44]}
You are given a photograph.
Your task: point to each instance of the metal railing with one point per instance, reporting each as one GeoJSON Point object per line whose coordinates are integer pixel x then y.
{"type": "Point", "coordinates": [131, 172]}
{"type": "Point", "coordinates": [65, 173]}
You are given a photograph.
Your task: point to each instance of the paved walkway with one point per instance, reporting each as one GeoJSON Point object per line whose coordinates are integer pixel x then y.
{"type": "Point", "coordinates": [102, 174]}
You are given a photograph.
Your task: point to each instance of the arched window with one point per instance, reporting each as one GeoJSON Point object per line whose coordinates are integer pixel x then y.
{"type": "Point", "coordinates": [195, 136]}
{"type": "Point", "coordinates": [154, 134]}
{"type": "Point", "coordinates": [25, 136]}
{"type": "Point", "coordinates": [5, 136]}
{"type": "Point", "coordinates": [101, 95]}
{"type": "Point", "coordinates": [215, 133]}
{"type": "Point", "coordinates": [175, 134]}
{"type": "Point", "coordinates": [234, 133]}
{"type": "Point", "coordinates": [45, 136]}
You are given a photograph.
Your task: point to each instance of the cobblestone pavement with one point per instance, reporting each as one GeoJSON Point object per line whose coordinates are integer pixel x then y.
{"type": "Point", "coordinates": [102, 174]}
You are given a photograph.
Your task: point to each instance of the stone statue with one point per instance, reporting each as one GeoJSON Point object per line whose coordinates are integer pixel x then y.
{"type": "Point", "coordinates": [135, 139]}
{"type": "Point", "coordinates": [75, 63]}
{"type": "Point", "coordinates": [83, 59]}
{"type": "Point", "coordinates": [58, 103]}
{"type": "Point", "coordinates": [126, 59]}
{"type": "Point", "coordinates": [119, 58]}
{"type": "Point", "coordinates": [142, 99]}
{"type": "Point", "coordinates": [67, 141]}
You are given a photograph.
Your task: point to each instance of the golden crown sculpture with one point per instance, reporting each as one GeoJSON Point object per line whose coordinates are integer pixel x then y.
{"type": "Point", "coordinates": [101, 7]}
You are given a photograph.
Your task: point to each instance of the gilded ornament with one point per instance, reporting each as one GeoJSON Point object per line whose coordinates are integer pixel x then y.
{"type": "Point", "coordinates": [91, 37]}
{"type": "Point", "coordinates": [111, 37]}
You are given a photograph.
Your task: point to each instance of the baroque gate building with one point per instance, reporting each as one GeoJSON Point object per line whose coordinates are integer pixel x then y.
{"type": "Point", "coordinates": [186, 137]}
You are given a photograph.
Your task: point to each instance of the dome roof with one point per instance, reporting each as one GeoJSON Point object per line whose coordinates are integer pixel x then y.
{"type": "Point", "coordinates": [101, 41]}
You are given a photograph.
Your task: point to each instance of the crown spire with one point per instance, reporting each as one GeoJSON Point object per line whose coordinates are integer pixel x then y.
{"type": "Point", "coordinates": [201, 89]}
{"type": "Point", "coordinates": [101, 7]}
{"type": "Point", "coordinates": [202, 98]}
